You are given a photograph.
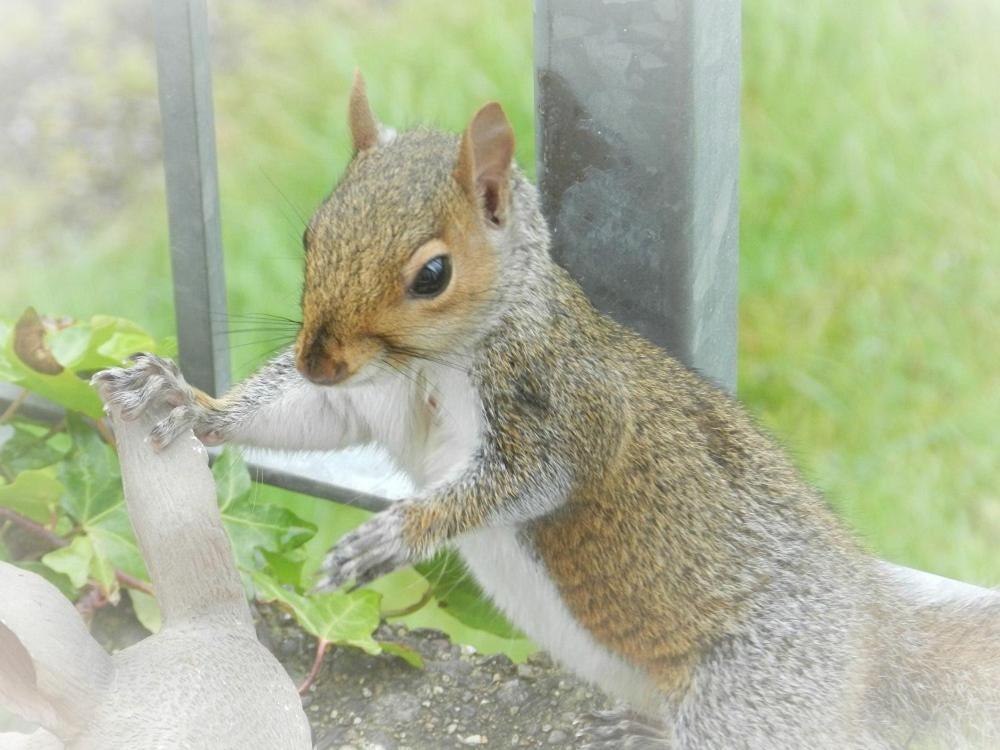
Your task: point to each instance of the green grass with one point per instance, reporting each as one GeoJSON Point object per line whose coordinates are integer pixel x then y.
{"type": "Point", "coordinates": [870, 282]}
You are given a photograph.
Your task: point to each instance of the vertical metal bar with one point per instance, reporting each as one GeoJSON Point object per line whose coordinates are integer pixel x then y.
{"type": "Point", "coordinates": [185, 86]}
{"type": "Point", "coordinates": [637, 121]}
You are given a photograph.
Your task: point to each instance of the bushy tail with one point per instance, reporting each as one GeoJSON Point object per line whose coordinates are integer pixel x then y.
{"type": "Point", "coordinates": [941, 679]}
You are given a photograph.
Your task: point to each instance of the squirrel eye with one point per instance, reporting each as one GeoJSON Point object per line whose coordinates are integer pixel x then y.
{"type": "Point", "coordinates": [432, 279]}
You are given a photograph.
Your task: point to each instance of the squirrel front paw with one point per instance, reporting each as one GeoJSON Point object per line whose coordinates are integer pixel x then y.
{"type": "Point", "coordinates": [372, 550]}
{"type": "Point", "coordinates": [154, 382]}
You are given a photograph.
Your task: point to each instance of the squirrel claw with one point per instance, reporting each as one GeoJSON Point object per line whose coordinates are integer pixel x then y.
{"type": "Point", "coordinates": [148, 382]}
{"type": "Point", "coordinates": [371, 551]}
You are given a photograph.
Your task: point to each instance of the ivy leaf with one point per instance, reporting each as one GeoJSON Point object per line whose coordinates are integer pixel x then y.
{"type": "Point", "coordinates": [252, 526]}
{"type": "Point", "coordinates": [26, 450]}
{"type": "Point", "coordinates": [34, 493]}
{"type": "Point", "coordinates": [90, 476]}
{"type": "Point", "coordinates": [232, 479]}
{"type": "Point", "coordinates": [458, 593]}
{"type": "Point", "coordinates": [344, 619]}
{"type": "Point", "coordinates": [101, 342]}
{"type": "Point", "coordinates": [114, 541]}
{"type": "Point", "coordinates": [93, 498]}
{"type": "Point", "coordinates": [73, 561]}
{"type": "Point", "coordinates": [69, 345]}
{"type": "Point", "coordinates": [64, 388]}
{"type": "Point", "coordinates": [102, 571]}
{"type": "Point", "coordinates": [285, 567]}
{"type": "Point", "coordinates": [407, 654]}
{"type": "Point", "coordinates": [147, 610]}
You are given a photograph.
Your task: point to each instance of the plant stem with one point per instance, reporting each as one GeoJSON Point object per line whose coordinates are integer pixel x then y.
{"type": "Point", "coordinates": [321, 646]}
{"type": "Point", "coordinates": [410, 608]}
{"type": "Point", "coordinates": [35, 529]}
{"type": "Point", "coordinates": [90, 602]}
{"type": "Point", "coordinates": [11, 410]}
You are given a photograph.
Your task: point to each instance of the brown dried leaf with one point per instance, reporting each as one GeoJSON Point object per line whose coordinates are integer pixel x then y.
{"type": "Point", "coordinates": [29, 344]}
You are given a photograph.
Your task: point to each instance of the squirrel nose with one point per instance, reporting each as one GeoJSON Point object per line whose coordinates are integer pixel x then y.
{"type": "Point", "coordinates": [328, 373]}
{"type": "Point", "coordinates": [319, 365]}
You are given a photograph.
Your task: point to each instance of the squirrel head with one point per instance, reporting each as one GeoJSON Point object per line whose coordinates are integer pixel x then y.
{"type": "Point", "coordinates": [402, 258]}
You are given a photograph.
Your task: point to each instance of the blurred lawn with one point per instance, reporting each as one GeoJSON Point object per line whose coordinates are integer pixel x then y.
{"type": "Point", "coordinates": [870, 224]}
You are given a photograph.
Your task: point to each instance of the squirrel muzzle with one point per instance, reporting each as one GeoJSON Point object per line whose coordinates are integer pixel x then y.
{"type": "Point", "coordinates": [321, 359]}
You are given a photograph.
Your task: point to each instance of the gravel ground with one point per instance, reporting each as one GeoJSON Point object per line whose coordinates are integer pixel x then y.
{"type": "Point", "coordinates": [460, 699]}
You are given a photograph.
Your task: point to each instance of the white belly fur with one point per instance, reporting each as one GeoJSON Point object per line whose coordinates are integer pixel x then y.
{"type": "Point", "coordinates": [522, 589]}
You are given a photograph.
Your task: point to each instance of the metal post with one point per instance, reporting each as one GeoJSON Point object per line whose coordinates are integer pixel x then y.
{"type": "Point", "coordinates": [637, 115]}
{"type": "Point", "coordinates": [185, 84]}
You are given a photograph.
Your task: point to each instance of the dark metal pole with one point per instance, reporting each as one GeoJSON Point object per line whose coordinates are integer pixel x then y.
{"type": "Point", "coordinates": [637, 115]}
{"type": "Point", "coordinates": [185, 85]}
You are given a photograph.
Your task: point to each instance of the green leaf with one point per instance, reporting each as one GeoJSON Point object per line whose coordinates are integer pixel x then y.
{"type": "Point", "coordinates": [344, 619]}
{"type": "Point", "coordinates": [407, 654]}
{"type": "Point", "coordinates": [114, 541]}
{"type": "Point", "coordinates": [73, 561]}
{"type": "Point", "coordinates": [147, 610]}
{"type": "Point", "coordinates": [93, 499]}
{"type": "Point", "coordinates": [33, 493]}
{"type": "Point", "coordinates": [285, 567]}
{"type": "Point", "coordinates": [101, 342]}
{"type": "Point", "coordinates": [26, 450]}
{"type": "Point", "coordinates": [90, 475]}
{"type": "Point", "coordinates": [65, 389]}
{"type": "Point", "coordinates": [70, 345]}
{"type": "Point", "coordinates": [232, 479]}
{"type": "Point", "coordinates": [252, 526]}
{"type": "Point", "coordinates": [103, 571]}
{"type": "Point", "coordinates": [84, 347]}
{"type": "Point", "coordinates": [461, 597]}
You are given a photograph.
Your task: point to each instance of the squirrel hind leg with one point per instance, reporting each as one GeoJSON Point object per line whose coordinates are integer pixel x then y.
{"type": "Point", "coordinates": [622, 729]}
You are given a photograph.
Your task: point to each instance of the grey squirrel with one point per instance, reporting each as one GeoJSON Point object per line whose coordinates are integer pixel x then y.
{"type": "Point", "coordinates": [626, 514]}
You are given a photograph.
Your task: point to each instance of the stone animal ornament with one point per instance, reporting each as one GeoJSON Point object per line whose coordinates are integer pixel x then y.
{"type": "Point", "coordinates": [204, 682]}
{"type": "Point", "coordinates": [623, 512]}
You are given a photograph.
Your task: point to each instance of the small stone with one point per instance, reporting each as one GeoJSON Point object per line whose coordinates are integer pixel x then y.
{"type": "Point", "coordinates": [557, 737]}
{"type": "Point", "coordinates": [473, 739]}
{"type": "Point", "coordinates": [526, 671]}
{"type": "Point", "coordinates": [438, 690]}
{"type": "Point", "coordinates": [546, 728]}
{"type": "Point", "coordinates": [451, 728]}
{"type": "Point", "coordinates": [366, 692]}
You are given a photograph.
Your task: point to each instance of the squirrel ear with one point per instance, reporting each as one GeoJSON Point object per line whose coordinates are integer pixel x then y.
{"type": "Point", "coordinates": [484, 160]}
{"type": "Point", "coordinates": [364, 126]}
